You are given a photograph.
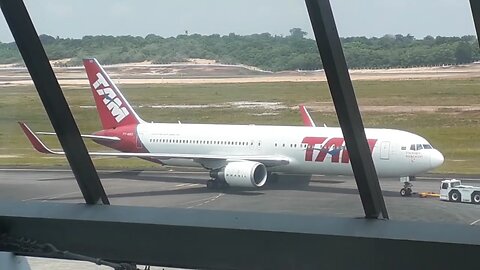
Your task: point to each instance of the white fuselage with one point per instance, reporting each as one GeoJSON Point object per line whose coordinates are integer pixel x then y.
{"type": "Point", "coordinates": [310, 150]}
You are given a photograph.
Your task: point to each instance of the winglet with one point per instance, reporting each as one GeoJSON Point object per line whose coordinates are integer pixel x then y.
{"type": "Point", "coordinates": [35, 141]}
{"type": "Point", "coordinates": [307, 119]}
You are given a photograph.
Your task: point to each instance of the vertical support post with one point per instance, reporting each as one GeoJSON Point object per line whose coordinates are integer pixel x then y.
{"type": "Point", "coordinates": [349, 117]}
{"type": "Point", "coordinates": [53, 100]}
{"type": "Point", "coordinates": [475, 6]}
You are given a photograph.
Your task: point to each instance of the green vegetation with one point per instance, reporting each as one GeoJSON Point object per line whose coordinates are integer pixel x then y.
{"type": "Point", "coordinates": [274, 53]}
{"type": "Point", "coordinates": [452, 130]}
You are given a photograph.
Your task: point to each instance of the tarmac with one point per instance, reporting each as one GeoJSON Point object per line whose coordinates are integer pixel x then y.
{"type": "Point", "coordinates": [325, 195]}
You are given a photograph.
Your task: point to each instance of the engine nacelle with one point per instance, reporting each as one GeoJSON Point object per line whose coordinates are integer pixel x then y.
{"type": "Point", "coordinates": [242, 174]}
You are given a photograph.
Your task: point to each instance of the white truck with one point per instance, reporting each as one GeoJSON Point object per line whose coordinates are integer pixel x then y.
{"type": "Point", "coordinates": [453, 191]}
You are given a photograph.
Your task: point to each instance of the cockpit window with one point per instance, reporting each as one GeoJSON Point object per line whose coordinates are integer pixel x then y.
{"type": "Point", "coordinates": [416, 147]}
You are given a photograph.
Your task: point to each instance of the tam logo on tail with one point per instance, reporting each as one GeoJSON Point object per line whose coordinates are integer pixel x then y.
{"type": "Point", "coordinates": [110, 98]}
{"type": "Point", "coordinates": [112, 107]}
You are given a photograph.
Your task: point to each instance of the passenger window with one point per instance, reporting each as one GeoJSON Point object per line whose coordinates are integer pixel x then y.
{"type": "Point", "coordinates": [404, 148]}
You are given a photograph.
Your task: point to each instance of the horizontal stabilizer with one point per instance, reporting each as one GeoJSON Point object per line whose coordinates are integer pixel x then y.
{"type": "Point", "coordinates": [93, 137]}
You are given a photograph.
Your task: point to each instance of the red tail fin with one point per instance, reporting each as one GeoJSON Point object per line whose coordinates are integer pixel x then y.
{"type": "Point", "coordinates": [306, 118]}
{"type": "Point", "coordinates": [113, 108]}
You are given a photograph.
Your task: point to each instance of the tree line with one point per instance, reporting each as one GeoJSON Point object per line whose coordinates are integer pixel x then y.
{"type": "Point", "coordinates": [265, 51]}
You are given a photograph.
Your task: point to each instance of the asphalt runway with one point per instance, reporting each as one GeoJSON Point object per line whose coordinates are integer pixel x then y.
{"type": "Point", "coordinates": [326, 195]}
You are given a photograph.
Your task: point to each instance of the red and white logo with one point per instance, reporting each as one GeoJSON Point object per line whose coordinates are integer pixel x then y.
{"type": "Point", "coordinates": [110, 99]}
{"type": "Point", "coordinates": [335, 147]}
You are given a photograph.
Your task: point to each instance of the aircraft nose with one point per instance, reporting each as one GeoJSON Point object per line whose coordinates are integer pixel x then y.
{"type": "Point", "coordinates": [436, 158]}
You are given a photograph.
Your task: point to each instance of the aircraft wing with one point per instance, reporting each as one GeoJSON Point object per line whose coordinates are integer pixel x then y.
{"type": "Point", "coordinates": [266, 160]}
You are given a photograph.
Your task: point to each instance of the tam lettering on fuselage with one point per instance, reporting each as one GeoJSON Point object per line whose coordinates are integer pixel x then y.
{"type": "Point", "coordinates": [110, 98]}
{"type": "Point", "coordinates": [332, 146]}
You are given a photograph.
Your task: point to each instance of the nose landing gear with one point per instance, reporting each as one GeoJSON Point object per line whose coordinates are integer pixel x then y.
{"type": "Point", "coordinates": [406, 191]}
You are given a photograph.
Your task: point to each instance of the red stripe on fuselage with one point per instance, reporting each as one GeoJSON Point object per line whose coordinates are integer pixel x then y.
{"type": "Point", "coordinates": [129, 140]}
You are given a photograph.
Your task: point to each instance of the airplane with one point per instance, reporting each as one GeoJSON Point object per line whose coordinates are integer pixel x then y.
{"type": "Point", "coordinates": [244, 155]}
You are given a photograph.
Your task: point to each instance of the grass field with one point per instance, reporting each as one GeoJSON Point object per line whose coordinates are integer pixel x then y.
{"type": "Point", "coordinates": [453, 131]}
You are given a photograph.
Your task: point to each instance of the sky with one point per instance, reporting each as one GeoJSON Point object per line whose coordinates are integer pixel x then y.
{"type": "Point", "coordinates": [75, 19]}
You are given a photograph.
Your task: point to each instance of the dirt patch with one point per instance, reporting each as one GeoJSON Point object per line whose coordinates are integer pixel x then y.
{"type": "Point", "coordinates": [198, 72]}
{"type": "Point", "coordinates": [9, 156]}
{"type": "Point", "coordinates": [399, 109]}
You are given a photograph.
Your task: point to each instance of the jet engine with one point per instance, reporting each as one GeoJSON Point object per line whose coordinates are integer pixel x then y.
{"type": "Point", "coordinates": [242, 174]}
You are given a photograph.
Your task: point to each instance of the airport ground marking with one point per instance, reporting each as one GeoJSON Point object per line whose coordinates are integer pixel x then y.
{"type": "Point", "coordinates": [475, 222]}
{"type": "Point", "coordinates": [205, 200]}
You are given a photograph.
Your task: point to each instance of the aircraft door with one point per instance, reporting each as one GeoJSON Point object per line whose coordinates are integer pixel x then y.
{"type": "Point", "coordinates": [138, 141]}
{"type": "Point", "coordinates": [385, 150]}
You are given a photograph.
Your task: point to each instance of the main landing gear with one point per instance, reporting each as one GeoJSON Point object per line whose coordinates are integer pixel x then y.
{"type": "Point", "coordinates": [216, 184]}
{"type": "Point", "coordinates": [406, 191]}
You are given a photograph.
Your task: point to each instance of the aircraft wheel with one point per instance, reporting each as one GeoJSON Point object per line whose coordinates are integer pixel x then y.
{"type": "Point", "coordinates": [476, 198]}
{"type": "Point", "coordinates": [409, 191]}
{"type": "Point", "coordinates": [273, 178]}
{"type": "Point", "coordinates": [222, 184]}
{"type": "Point", "coordinates": [403, 192]}
{"type": "Point", "coordinates": [454, 196]}
{"type": "Point", "coordinates": [211, 184]}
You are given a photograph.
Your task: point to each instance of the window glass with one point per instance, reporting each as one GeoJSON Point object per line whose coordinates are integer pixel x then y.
{"type": "Point", "coordinates": [427, 146]}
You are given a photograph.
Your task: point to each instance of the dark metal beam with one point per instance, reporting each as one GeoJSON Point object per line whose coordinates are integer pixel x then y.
{"type": "Point", "coordinates": [349, 117]}
{"type": "Point", "coordinates": [239, 240]}
{"type": "Point", "coordinates": [53, 100]}
{"type": "Point", "coordinates": [475, 6]}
